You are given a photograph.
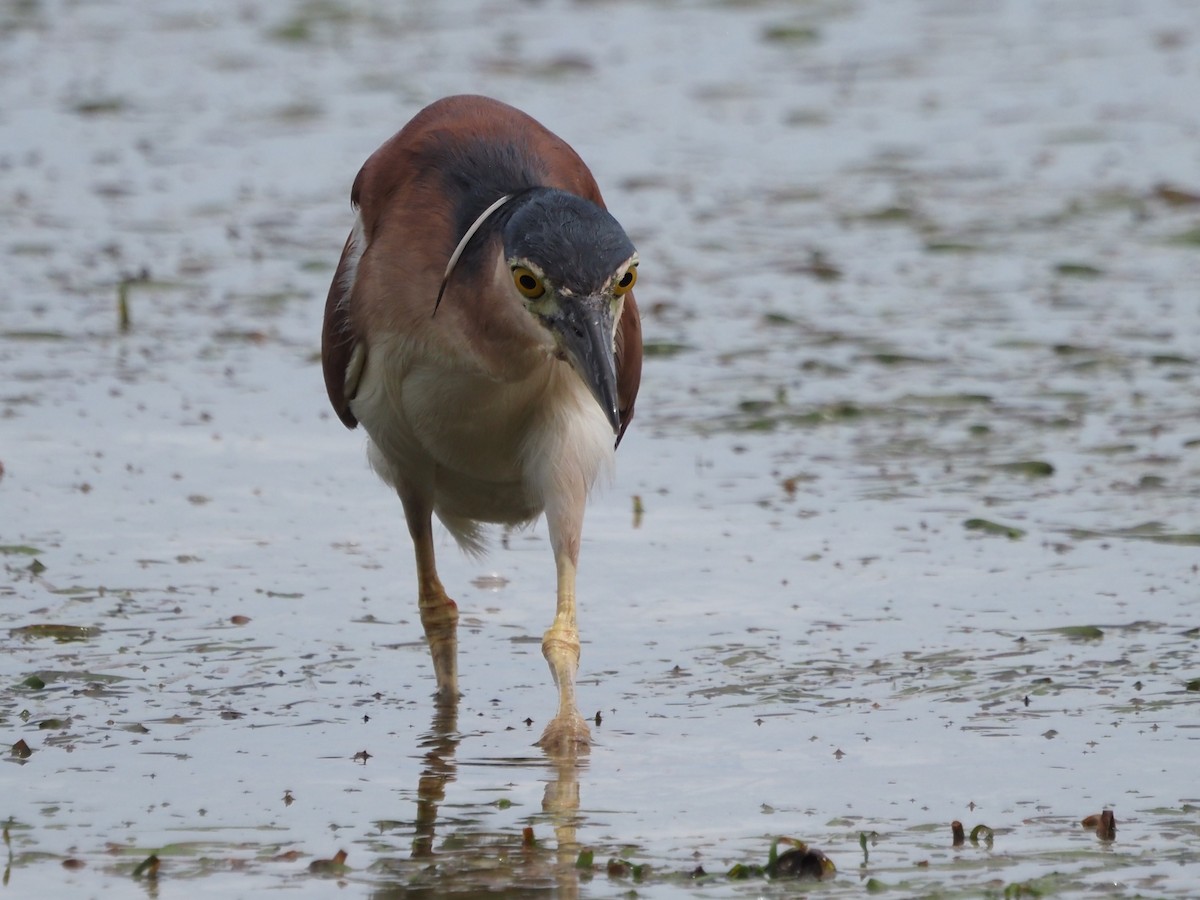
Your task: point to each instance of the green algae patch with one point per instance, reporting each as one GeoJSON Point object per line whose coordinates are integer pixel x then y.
{"type": "Point", "coordinates": [987, 526]}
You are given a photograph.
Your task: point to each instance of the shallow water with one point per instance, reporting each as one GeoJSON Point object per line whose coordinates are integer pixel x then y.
{"type": "Point", "coordinates": [917, 449]}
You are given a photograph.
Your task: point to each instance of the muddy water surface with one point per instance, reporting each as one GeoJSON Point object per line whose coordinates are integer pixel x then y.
{"type": "Point", "coordinates": [917, 456]}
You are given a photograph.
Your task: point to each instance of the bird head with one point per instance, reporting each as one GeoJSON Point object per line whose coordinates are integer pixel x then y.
{"type": "Point", "coordinates": [572, 265]}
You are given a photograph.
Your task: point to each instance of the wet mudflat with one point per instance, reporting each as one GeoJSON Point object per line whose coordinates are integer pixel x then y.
{"type": "Point", "coordinates": [916, 459]}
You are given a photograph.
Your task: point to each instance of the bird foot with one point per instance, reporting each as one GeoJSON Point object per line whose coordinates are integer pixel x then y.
{"type": "Point", "coordinates": [566, 733]}
{"type": "Point", "coordinates": [446, 696]}
{"type": "Point", "coordinates": [439, 616]}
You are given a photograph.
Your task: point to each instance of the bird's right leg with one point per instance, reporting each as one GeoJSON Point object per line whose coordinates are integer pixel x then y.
{"type": "Point", "coordinates": [439, 614]}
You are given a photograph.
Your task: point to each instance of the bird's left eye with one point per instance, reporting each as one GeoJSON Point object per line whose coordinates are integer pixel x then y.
{"type": "Point", "coordinates": [527, 283]}
{"type": "Point", "coordinates": [626, 282]}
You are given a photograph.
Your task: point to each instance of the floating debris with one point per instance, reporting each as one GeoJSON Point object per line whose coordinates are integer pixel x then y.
{"type": "Point", "coordinates": [61, 633]}
{"type": "Point", "coordinates": [1030, 468]}
{"type": "Point", "coordinates": [989, 527]}
{"type": "Point", "coordinates": [1105, 825]}
{"type": "Point", "coordinates": [982, 832]}
{"type": "Point", "coordinates": [1078, 632]}
{"type": "Point", "coordinates": [800, 862]}
{"type": "Point", "coordinates": [335, 865]}
{"type": "Point", "coordinates": [147, 868]}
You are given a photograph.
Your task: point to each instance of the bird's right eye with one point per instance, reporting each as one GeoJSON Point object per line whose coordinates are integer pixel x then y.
{"type": "Point", "coordinates": [527, 282]}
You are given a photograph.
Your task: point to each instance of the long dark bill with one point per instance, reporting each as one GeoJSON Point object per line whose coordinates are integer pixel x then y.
{"type": "Point", "coordinates": [585, 330]}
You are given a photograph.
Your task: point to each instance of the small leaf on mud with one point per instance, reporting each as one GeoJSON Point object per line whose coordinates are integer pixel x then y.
{"type": "Point", "coordinates": [239, 620]}
{"type": "Point", "coordinates": [897, 359]}
{"type": "Point", "coordinates": [950, 247]}
{"type": "Point", "coordinates": [72, 863]}
{"type": "Point", "coordinates": [33, 681]}
{"type": "Point", "coordinates": [982, 832]}
{"type": "Point", "coordinates": [60, 633]}
{"type": "Point", "coordinates": [147, 868]}
{"type": "Point", "coordinates": [989, 527]}
{"type": "Point", "coordinates": [957, 834]}
{"type": "Point", "coordinates": [790, 34]}
{"type": "Point", "coordinates": [1105, 825]}
{"type": "Point", "coordinates": [21, 750]}
{"type": "Point", "coordinates": [334, 865]}
{"type": "Point", "coordinates": [1078, 632]}
{"type": "Point", "coordinates": [527, 838]}
{"type": "Point", "coordinates": [18, 550]}
{"type": "Point", "coordinates": [1193, 685]}
{"type": "Point", "coordinates": [585, 859]}
{"type": "Point", "coordinates": [777, 318]}
{"type": "Point", "coordinates": [1030, 468]}
{"type": "Point", "coordinates": [1078, 270]}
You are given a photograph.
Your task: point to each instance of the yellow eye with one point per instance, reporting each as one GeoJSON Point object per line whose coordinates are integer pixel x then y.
{"type": "Point", "coordinates": [527, 283]}
{"type": "Point", "coordinates": [626, 282]}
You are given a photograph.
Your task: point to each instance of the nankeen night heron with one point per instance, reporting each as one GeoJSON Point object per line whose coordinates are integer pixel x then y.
{"type": "Point", "coordinates": [482, 328]}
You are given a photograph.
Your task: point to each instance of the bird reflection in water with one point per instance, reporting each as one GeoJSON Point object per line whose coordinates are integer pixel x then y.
{"type": "Point", "coordinates": [554, 869]}
{"type": "Point", "coordinates": [440, 744]}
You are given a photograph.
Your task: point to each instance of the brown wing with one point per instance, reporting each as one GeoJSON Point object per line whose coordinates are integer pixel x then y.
{"type": "Point", "coordinates": [337, 335]}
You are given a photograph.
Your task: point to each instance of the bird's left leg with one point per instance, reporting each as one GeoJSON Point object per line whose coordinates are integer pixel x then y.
{"type": "Point", "coordinates": [560, 645]}
{"type": "Point", "coordinates": [439, 614]}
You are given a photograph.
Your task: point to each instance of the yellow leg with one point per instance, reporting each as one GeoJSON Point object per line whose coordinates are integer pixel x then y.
{"type": "Point", "coordinates": [560, 645]}
{"type": "Point", "coordinates": [439, 614]}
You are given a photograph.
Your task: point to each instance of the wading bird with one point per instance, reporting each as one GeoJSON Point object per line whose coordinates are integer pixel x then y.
{"type": "Point", "coordinates": [482, 328]}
